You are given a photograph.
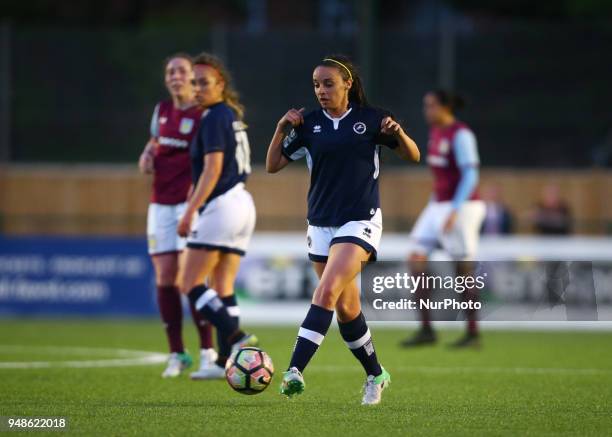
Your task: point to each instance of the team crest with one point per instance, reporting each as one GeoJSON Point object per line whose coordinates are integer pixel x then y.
{"type": "Point", "coordinates": [359, 128]}
{"type": "Point", "coordinates": [163, 120]}
{"type": "Point", "coordinates": [316, 129]}
{"type": "Point", "coordinates": [444, 147]}
{"type": "Point", "coordinates": [186, 125]}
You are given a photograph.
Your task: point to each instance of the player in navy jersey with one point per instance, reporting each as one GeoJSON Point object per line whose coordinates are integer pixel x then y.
{"type": "Point", "coordinates": [341, 142]}
{"type": "Point", "coordinates": [454, 214]}
{"type": "Point", "coordinates": [220, 216]}
{"type": "Point", "coordinates": [166, 156]}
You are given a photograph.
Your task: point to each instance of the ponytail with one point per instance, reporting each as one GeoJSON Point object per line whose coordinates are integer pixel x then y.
{"type": "Point", "coordinates": [348, 71]}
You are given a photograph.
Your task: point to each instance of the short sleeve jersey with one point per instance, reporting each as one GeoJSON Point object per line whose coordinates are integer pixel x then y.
{"type": "Point", "coordinates": [220, 131]}
{"type": "Point", "coordinates": [445, 165]}
{"type": "Point", "coordinates": [343, 156]}
{"type": "Point", "coordinates": [173, 129]}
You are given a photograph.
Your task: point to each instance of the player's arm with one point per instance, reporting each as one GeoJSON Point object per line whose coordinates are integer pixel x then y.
{"type": "Point", "coordinates": [466, 156]}
{"type": "Point", "coordinates": [405, 146]}
{"type": "Point", "coordinates": [145, 162]}
{"type": "Point", "coordinates": [213, 165]}
{"type": "Point", "coordinates": [275, 159]}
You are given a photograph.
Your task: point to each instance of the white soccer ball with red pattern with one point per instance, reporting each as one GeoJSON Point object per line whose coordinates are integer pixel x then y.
{"type": "Point", "coordinates": [249, 370]}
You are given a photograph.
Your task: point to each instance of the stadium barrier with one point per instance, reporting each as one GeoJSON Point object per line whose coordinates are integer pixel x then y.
{"type": "Point", "coordinates": [57, 276]}
{"type": "Point", "coordinates": [112, 199]}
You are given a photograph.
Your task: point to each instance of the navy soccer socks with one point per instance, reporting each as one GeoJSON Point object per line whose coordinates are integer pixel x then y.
{"type": "Point", "coordinates": [310, 336]}
{"type": "Point", "coordinates": [357, 336]}
{"type": "Point", "coordinates": [207, 302]}
{"type": "Point", "coordinates": [225, 347]}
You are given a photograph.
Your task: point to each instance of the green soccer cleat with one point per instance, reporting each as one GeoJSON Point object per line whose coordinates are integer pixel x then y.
{"type": "Point", "coordinates": [373, 387]}
{"type": "Point", "coordinates": [293, 383]}
{"type": "Point", "coordinates": [177, 362]}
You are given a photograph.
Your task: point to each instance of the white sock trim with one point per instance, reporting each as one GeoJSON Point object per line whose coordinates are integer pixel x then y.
{"type": "Point", "coordinates": [233, 311]}
{"type": "Point", "coordinates": [313, 336]}
{"type": "Point", "coordinates": [360, 341]}
{"type": "Point", "coordinates": [208, 295]}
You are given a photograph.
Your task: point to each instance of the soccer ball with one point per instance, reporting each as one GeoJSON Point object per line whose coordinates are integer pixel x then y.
{"type": "Point", "coordinates": [249, 370]}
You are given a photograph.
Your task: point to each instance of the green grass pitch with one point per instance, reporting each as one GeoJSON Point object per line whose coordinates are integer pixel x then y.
{"type": "Point", "coordinates": [519, 383]}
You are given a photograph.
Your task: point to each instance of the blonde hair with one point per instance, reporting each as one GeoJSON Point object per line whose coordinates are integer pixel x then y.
{"type": "Point", "coordinates": [230, 95]}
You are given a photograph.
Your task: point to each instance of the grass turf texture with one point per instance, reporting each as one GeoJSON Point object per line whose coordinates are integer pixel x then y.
{"type": "Point", "coordinates": [519, 383]}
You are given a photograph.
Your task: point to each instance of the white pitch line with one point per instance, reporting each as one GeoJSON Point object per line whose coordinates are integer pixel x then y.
{"type": "Point", "coordinates": [127, 357]}
{"type": "Point", "coordinates": [475, 370]}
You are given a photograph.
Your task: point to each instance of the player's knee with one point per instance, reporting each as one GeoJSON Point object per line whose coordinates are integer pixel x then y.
{"type": "Point", "coordinates": [184, 284]}
{"type": "Point", "coordinates": [325, 296]}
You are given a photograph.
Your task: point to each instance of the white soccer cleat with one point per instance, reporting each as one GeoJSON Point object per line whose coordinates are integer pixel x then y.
{"type": "Point", "coordinates": [207, 361]}
{"type": "Point", "coordinates": [213, 371]}
{"type": "Point", "coordinates": [373, 387]}
{"type": "Point", "coordinates": [177, 362]}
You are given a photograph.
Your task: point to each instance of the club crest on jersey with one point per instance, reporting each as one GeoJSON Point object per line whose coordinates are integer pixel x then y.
{"type": "Point", "coordinates": [316, 129]}
{"type": "Point", "coordinates": [444, 147]}
{"type": "Point", "coordinates": [359, 128]}
{"type": "Point", "coordinates": [163, 120]}
{"type": "Point", "coordinates": [186, 125]}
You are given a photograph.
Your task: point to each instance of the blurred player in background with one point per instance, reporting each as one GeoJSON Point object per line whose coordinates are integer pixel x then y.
{"type": "Point", "coordinates": [166, 155]}
{"type": "Point", "coordinates": [224, 211]}
{"type": "Point", "coordinates": [341, 143]}
{"type": "Point", "coordinates": [453, 217]}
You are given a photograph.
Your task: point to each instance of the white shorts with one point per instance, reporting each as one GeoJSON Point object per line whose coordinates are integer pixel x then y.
{"type": "Point", "coordinates": [462, 242]}
{"type": "Point", "coordinates": [365, 233]}
{"type": "Point", "coordinates": [162, 221]}
{"type": "Point", "coordinates": [226, 224]}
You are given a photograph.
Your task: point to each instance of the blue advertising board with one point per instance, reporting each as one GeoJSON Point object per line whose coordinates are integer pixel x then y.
{"type": "Point", "coordinates": [84, 276]}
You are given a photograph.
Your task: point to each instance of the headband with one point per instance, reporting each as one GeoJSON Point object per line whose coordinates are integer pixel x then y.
{"type": "Point", "coordinates": [340, 64]}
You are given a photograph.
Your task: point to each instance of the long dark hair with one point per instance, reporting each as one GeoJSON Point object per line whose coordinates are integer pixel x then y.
{"type": "Point", "coordinates": [451, 100]}
{"type": "Point", "coordinates": [347, 69]}
{"type": "Point", "coordinates": [230, 95]}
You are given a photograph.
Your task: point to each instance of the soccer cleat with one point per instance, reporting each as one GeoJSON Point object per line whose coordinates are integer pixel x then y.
{"type": "Point", "coordinates": [373, 387]}
{"type": "Point", "coordinates": [293, 383]}
{"type": "Point", "coordinates": [249, 340]}
{"type": "Point", "coordinates": [177, 362]}
{"type": "Point", "coordinates": [207, 363]}
{"type": "Point", "coordinates": [213, 371]}
{"type": "Point", "coordinates": [467, 341]}
{"type": "Point", "coordinates": [422, 337]}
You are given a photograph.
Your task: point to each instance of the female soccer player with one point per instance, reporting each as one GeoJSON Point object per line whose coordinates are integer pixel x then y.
{"type": "Point", "coordinates": [454, 215]}
{"type": "Point", "coordinates": [341, 142]}
{"type": "Point", "coordinates": [166, 155]}
{"type": "Point", "coordinates": [221, 232]}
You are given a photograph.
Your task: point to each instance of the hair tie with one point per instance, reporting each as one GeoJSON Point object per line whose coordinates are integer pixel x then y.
{"type": "Point", "coordinates": [340, 64]}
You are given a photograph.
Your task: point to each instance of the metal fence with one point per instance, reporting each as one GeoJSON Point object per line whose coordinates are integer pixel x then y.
{"type": "Point", "coordinates": [539, 93]}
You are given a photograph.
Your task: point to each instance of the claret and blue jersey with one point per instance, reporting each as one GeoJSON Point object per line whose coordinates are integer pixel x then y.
{"type": "Point", "coordinates": [220, 131]}
{"type": "Point", "coordinates": [343, 158]}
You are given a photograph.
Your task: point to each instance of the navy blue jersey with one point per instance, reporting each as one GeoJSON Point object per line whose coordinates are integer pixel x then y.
{"type": "Point", "coordinates": [220, 131]}
{"type": "Point", "coordinates": [343, 158]}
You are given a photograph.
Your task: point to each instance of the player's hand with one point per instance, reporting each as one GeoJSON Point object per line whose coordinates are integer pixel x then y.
{"type": "Point", "coordinates": [184, 225]}
{"type": "Point", "coordinates": [449, 224]}
{"type": "Point", "coordinates": [293, 117]}
{"type": "Point", "coordinates": [388, 126]}
{"type": "Point", "coordinates": [145, 162]}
